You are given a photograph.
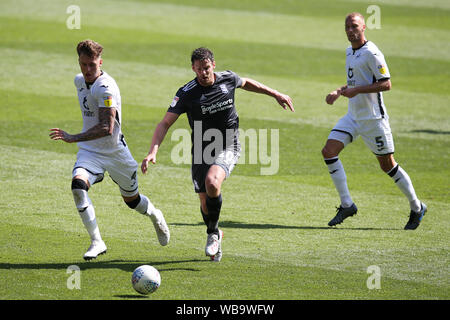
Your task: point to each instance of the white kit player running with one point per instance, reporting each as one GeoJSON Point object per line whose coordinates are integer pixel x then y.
{"type": "Point", "coordinates": [102, 148]}
{"type": "Point", "coordinates": [367, 76]}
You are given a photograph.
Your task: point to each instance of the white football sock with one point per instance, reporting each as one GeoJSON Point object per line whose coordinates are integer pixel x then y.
{"type": "Point", "coordinates": [404, 183]}
{"type": "Point", "coordinates": [87, 213]}
{"type": "Point", "coordinates": [90, 222]}
{"type": "Point", "coordinates": [145, 206]}
{"type": "Point", "coordinates": [339, 178]}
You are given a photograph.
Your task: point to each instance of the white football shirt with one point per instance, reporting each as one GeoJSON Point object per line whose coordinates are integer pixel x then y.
{"type": "Point", "coordinates": [365, 66]}
{"type": "Point", "coordinates": [103, 93]}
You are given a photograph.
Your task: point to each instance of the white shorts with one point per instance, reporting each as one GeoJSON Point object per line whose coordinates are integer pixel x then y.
{"type": "Point", "coordinates": [121, 166]}
{"type": "Point", "coordinates": [376, 133]}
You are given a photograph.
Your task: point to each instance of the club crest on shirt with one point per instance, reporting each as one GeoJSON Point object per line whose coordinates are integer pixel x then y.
{"type": "Point", "coordinates": [85, 104]}
{"type": "Point", "coordinates": [224, 89]}
{"type": "Point", "coordinates": [350, 73]}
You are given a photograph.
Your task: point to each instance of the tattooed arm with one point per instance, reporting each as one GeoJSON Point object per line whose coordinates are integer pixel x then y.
{"type": "Point", "coordinates": [104, 128]}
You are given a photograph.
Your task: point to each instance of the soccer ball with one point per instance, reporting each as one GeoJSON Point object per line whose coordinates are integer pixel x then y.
{"type": "Point", "coordinates": [146, 279]}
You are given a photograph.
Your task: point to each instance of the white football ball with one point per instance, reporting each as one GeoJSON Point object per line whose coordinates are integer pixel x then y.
{"type": "Point", "coordinates": [146, 279]}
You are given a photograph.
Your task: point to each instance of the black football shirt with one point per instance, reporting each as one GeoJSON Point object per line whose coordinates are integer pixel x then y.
{"type": "Point", "coordinates": [211, 107]}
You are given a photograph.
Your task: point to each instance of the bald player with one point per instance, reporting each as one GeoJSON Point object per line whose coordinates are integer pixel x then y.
{"type": "Point", "coordinates": [367, 77]}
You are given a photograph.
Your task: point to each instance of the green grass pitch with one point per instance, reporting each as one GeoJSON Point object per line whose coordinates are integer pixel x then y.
{"type": "Point", "coordinates": [277, 244]}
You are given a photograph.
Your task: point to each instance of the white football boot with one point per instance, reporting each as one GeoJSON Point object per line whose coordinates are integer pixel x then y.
{"type": "Point", "coordinates": [161, 228]}
{"type": "Point", "coordinates": [218, 256]}
{"type": "Point", "coordinates": [213, 247]}
{"type": "Point", "coordinates": [96, 248]}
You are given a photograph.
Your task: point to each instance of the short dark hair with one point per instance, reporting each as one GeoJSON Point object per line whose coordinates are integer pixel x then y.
{"type": "Point", "coordinates": [202, 54]}
{"type": "Point", "coordinates": [90, 48]}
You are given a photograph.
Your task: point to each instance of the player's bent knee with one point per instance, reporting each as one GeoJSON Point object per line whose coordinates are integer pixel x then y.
{"type": "Point", "coordinates": [79, 191]}
{"type": "Point", "coordinates": [212, 185]}
{"type": "Point", "coordinates": [387, 163]}
{"type": "Point", "coordinates": [332, 148]}
{"type": "Point", "coordinates": [133, 203]}
{"type": "Point", "coordinates": [79, 184]}
{"type": "Point", "coordinates": [328, 153]}
{"type": "Point", "coordinates": [386, 167]}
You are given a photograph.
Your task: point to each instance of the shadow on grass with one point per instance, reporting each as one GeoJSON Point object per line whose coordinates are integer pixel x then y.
{"type": "Point", "coordinates": [124, 265]}
{"type": "Point", "coordinates": [131, 296]}
{"type": "Point", "coordinates": [242, 225]}
{"type": "Point", "coordinates": [431, 131]}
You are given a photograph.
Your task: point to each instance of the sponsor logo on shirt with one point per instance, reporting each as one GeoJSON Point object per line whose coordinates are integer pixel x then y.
{"type": "Point", "coordinates": [218, 106]}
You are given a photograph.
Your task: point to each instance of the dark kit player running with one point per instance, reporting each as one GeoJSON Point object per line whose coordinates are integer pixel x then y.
{"type": "Point", "coordinates": [208, 101]}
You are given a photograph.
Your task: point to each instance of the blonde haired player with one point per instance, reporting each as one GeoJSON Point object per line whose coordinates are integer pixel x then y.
{"type": "Point", "coordinates": [367, 76]}
{"type": "Point", "coordinates": [102, 148]}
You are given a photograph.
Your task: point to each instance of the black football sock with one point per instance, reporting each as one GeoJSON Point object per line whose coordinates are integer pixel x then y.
{"type": "Point", "coordinates": [204, 216]}
{"type": "Point", "coordinates": [213, 205]}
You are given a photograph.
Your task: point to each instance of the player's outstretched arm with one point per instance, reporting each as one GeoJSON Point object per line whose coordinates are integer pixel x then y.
{"type": "Point", "coordinates": [252, 85]}
{"type": "Point", "coordinates": [105, 127]}
{"type": "Point", "coordinates": [157, 139]}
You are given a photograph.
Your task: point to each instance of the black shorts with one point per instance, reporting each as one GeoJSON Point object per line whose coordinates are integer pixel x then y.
{"type": "Point", "coordinates": [227, 160]}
